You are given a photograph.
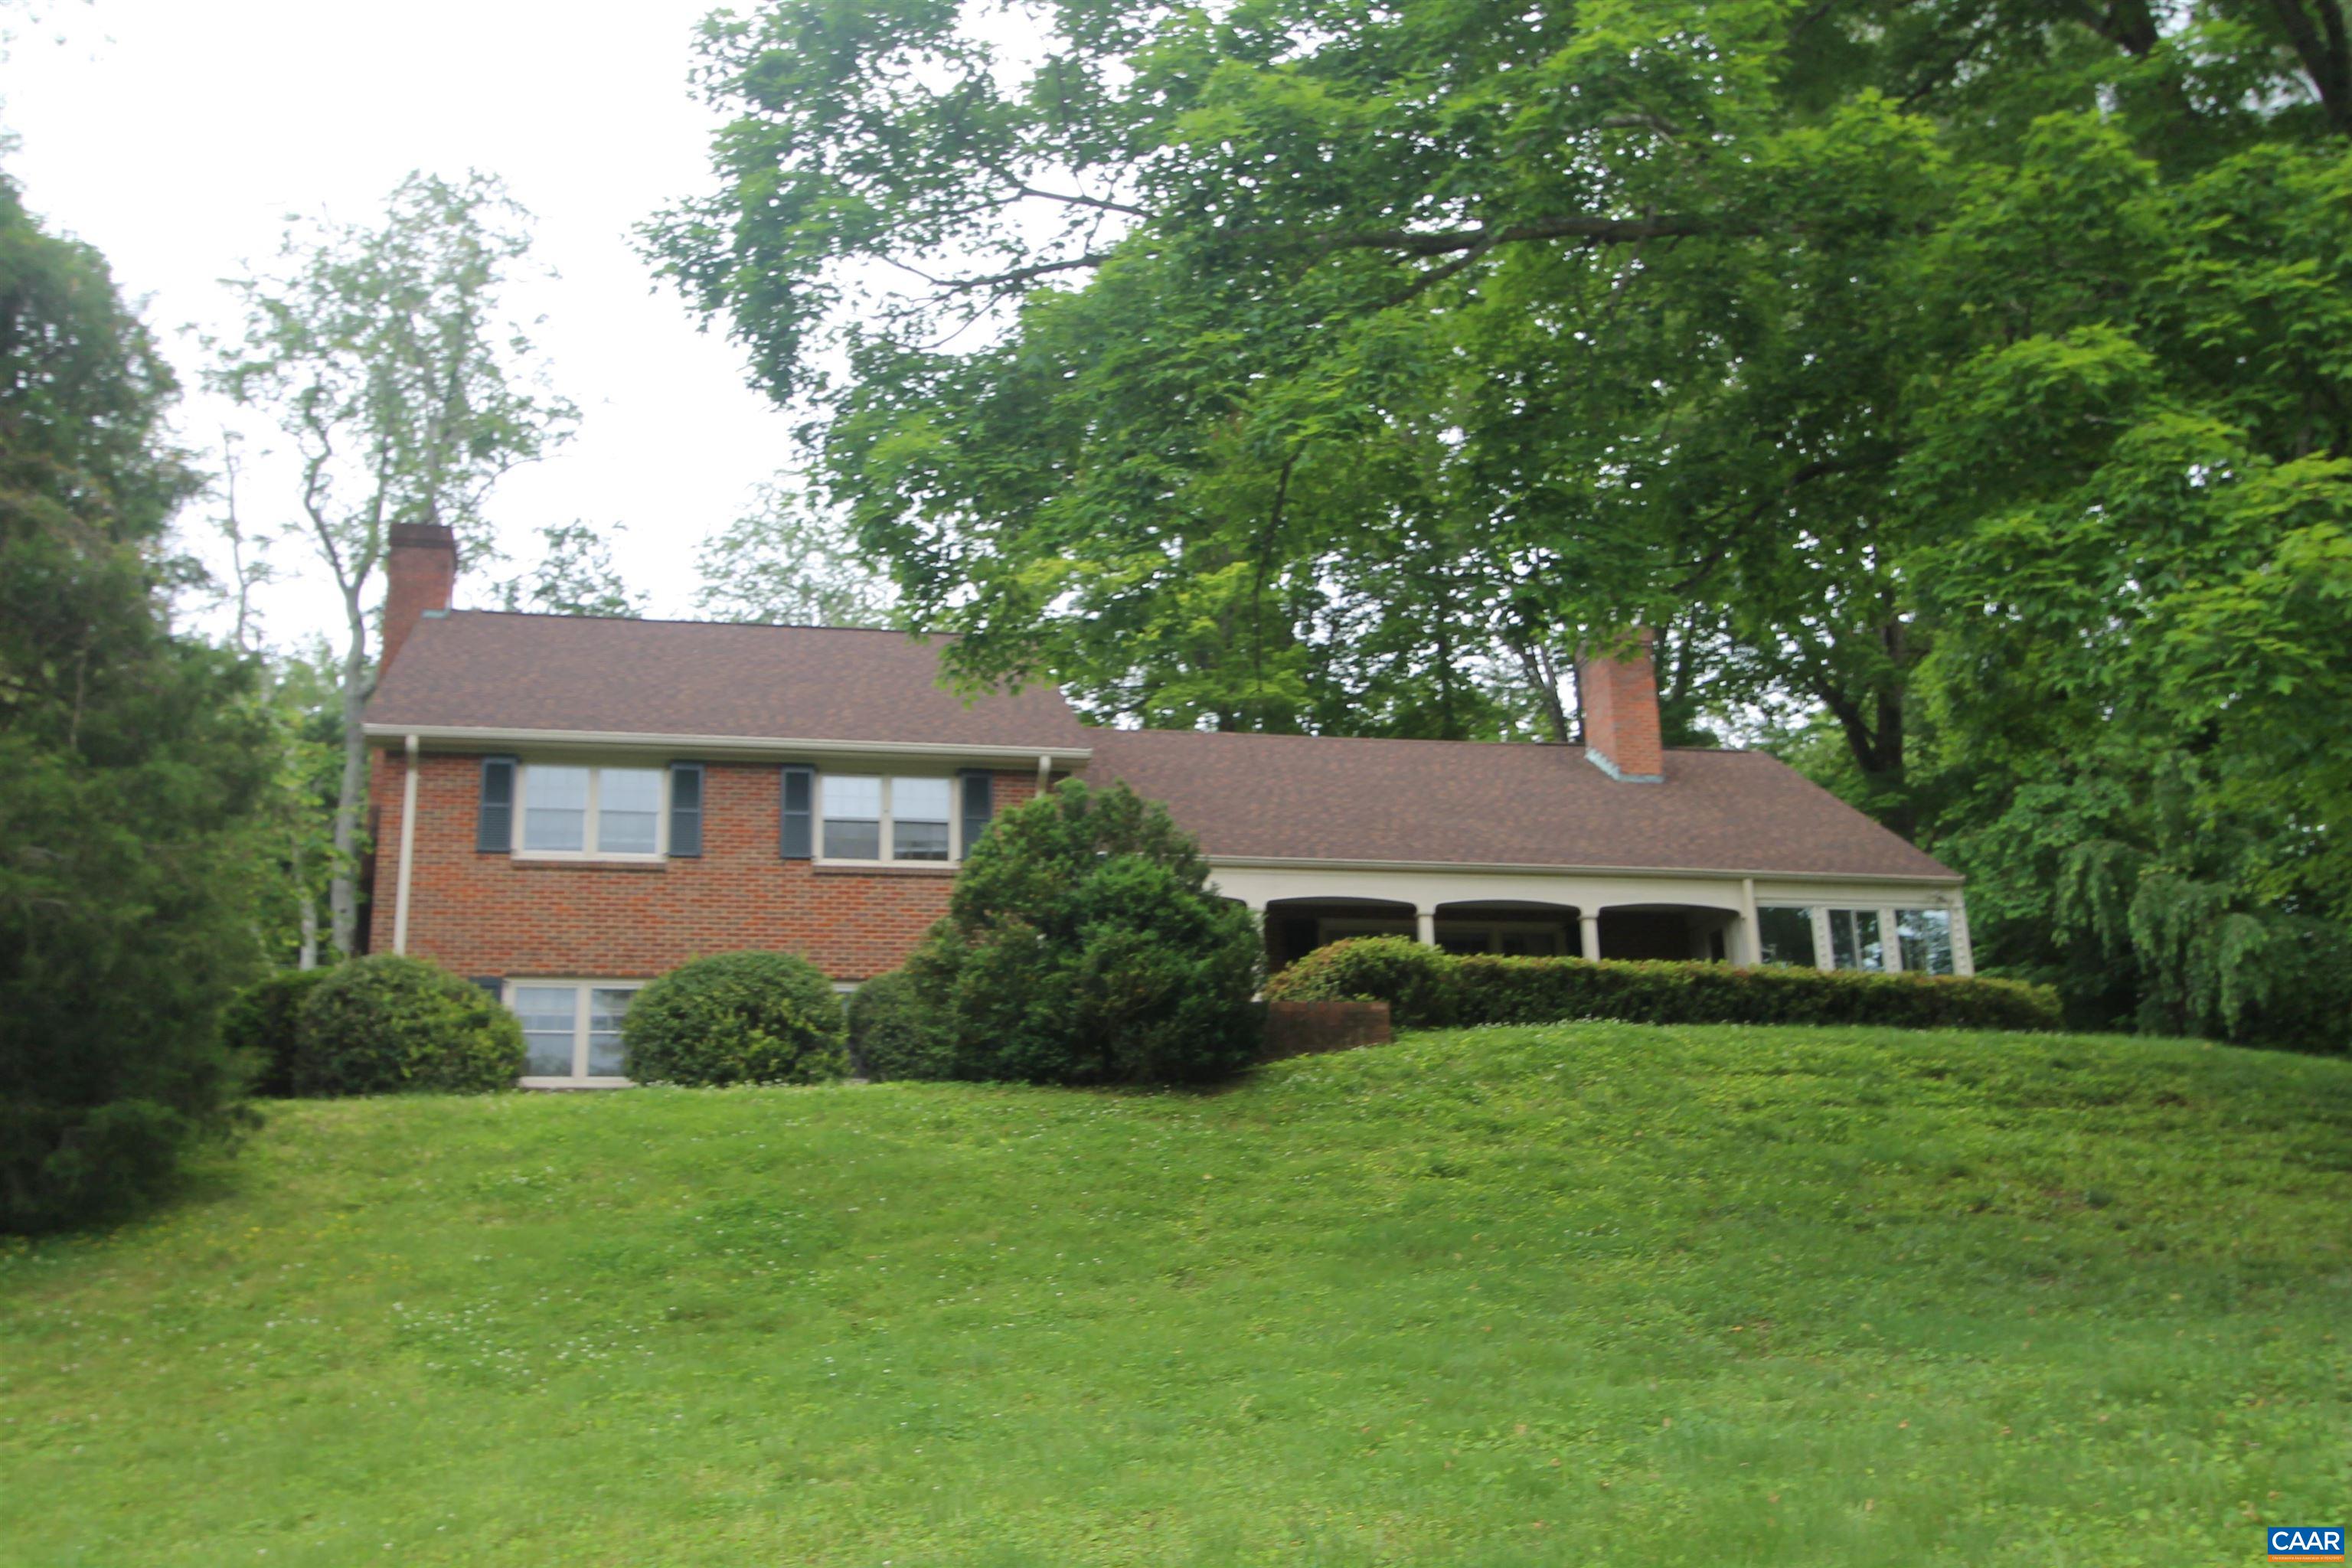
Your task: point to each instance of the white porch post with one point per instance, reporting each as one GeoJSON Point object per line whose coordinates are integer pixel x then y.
{"type": "Point", "coordinates": [1590, 926]}
{"type": "Point", "coordinates": [1751, 932]}
{"type": "Point", "coordinates": [1427, 921]}
{"type": "Point", "coordinates": [1963, 957]}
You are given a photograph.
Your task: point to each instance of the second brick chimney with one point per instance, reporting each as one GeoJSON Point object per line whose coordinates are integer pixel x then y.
{"type": "Point", "coordinates": [1617, 689]}
{"type": "Point", "coordinates": [420, 574]}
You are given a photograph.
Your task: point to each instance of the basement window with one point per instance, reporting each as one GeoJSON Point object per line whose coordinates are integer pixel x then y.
{"type": "Point", "coordinates": [592, 812]}
{"type": "Point", "coordinates": [572, 1031]}
{"type": "Point", "coordinates": [911, 817]}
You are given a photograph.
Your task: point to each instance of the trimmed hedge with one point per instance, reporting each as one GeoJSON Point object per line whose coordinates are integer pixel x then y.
{"type": "Point", "coordinates": [261, 1024]}
{"type": "Point", "coordinates": [893, 1035]}
{"type": "Point", "coordinates": [383, 1024]}
{"type": "Point", "coordinates": [1427, 987]}
{"type": "Point", "coordinates": [737, 1017]}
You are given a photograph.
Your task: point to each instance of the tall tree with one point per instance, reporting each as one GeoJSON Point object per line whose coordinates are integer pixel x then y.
{"type": "Point", "coordinates": [789, 561]}
{"type": "Point", "coordinates": [382, 352]}
{"type": "Point", "coordinates": [1868, 342]}
{"type": "Point", "coordinates": [133, 762]}
{"type": "Point", "coordinates": [574, 576]}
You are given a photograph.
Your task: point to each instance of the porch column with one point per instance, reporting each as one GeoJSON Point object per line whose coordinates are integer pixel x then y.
{"type": "Point", "coordinates": [1427, 921]}
{"type": "Point", "coordinates": [1590, 927]}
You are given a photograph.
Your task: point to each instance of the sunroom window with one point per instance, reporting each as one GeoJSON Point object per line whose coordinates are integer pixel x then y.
{"type": "Point", "coordinates": [1854, 939]}
{"type": "Point", "coordinates": [1925, 939]}
{"type": "Point", "coordinates": [913, 816]}
{"type": "Point", "coordinates": [574, 810]}
{"type": "Point", "coordinates": [571, 1029]}
{"type": "Point", "coordinates": [1785, 931]}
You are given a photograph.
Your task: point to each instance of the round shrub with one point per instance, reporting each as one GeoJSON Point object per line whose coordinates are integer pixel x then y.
{"type": "Point", "coordinates": [259, 1024]}
{"type": "Point", "coordinates": [892, 1035]}
{"type": "Point", "coordinates": [737, 1017]}
{"type": "Point", "coordinates": [1420, 984]}
{"type": "Point", "coordinates": [385, 1024]}
{"type": "Point", "coordinates": [1082, 944]}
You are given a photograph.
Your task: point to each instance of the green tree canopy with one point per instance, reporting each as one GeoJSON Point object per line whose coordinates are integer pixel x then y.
{"type": "Point", "coordinates": [135, 765]}
{"type": "Point", "coordinates": [1962, 378]}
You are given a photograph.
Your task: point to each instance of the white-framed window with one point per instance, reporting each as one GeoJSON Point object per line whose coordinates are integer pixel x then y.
{"type": "Point", "coordinates": [1857, 940]}
{"type": "Point", "coordinates": [869, 817]}
{"type": "Point", "coordinates": [578, 811]}
{"type": "Point", "coordinates": [572, 1030]}
{"type": "Point", "coordinates": [1924, 940]}
{"type": "Point", "coordinates": [1784, 934]}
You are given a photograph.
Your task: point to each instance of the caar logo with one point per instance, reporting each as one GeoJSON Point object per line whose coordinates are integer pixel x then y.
{"type": "Point", "coordinates": [2307, 1542]}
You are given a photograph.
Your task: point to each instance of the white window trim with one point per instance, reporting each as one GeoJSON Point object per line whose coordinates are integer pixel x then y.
{"type": "Point", "coordinates": [1890, 950]}
{"type": "Point", "coordinates": [588, 829]}
{"type": "Point", "coordinates": [580, 1077]}
{"type": "Point", "coordinates": [955, 822]}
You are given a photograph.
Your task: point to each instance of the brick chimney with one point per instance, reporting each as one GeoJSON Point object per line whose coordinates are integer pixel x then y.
{"type": "Point", "coordinates": [420, 572]}
{"type": "Point", "coordinates": [1617, 689]}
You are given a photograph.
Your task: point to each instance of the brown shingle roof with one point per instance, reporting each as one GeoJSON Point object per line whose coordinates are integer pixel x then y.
{"type": "Point", "coordinates": [1464, 803]}
{"type": "Point", "coordinates": [488, 670]}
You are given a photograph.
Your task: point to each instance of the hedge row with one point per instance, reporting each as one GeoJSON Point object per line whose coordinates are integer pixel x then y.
{"type": "Point", "coordinates": [1427, 987]}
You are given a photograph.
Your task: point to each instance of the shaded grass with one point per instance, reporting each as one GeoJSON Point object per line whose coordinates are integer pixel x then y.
{"type": "Point", "coordinates": [1596, 1294]}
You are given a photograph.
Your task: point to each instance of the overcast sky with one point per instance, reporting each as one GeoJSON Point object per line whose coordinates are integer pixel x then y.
{"type": "Point", "coordinates": [178, 135]}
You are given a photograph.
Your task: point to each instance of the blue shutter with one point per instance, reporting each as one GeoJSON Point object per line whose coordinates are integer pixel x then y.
{"type": "Point", "coordinates": [494, 826]}
{"type": "Point", "coordinates": [979, 791]}
{"type": "Point", "coordinates": [798, 837]}
{"type": "Point", "coordinates": [686, 809]}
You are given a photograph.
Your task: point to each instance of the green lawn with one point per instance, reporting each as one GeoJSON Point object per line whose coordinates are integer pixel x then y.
{"type": "Point", "coordinates": [1590, 1294]}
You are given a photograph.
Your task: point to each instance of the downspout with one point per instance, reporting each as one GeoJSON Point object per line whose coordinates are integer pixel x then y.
{"type": "Point", "coordinates": [1044, 773]}
{"type": "Point", "coordinates": [407, 850]}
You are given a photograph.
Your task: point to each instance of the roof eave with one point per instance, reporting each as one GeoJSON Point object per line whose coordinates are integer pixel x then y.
{"type": "Point", "coordinates": [479, 738]}
{"type": "Point", "coordinates": [1940, 877]}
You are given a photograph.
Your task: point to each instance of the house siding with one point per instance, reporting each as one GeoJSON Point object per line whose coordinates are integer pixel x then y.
{"type": "Point", "coordinates": [490, 915]}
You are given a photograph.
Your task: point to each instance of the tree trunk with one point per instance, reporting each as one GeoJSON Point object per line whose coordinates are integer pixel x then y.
{"type": "Point", "coordinates": [306, 909]}
{"type": "Point", "coordinates": [344, 885]}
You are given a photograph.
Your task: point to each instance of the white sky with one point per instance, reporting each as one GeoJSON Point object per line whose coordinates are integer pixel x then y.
{"type": "Point", "coordinates": [178, 135]}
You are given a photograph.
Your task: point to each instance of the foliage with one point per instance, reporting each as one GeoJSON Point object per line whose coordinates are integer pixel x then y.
{"type": "Point", "coordinates": [378, 353]}
{"type": "Point", "coordinates": [574, 576]}
{"type": "Point", "coordinates": [1962, 388]}
{"type": "Point", "coordinates": [789, 563]}
{"type": "Point", "coordinates": [891, 1036]}
{"type": "Point", "coordinates": [1082, 944]}
{"type": "Point", "coordinates": [737, 1017]}
{"type": "Point", "coordinates": [1436, 987]}
{"type": "Point", "coordinates": [133, 763]}
{"type": "Point", "coordinates": [262, 1025]}
{"type": "Point", "coordinates": [384, 1025]}
{"type": "Point", "coordinates": [1422, 985]}
{"type": "Point", "coordinates": [1948, 1301]}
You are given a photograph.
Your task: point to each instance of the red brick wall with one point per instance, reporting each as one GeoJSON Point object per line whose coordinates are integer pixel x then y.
{"type": "Point", "coordinates": [490, 915]}
{"type": "Point", "coordinates": [1620, 698]}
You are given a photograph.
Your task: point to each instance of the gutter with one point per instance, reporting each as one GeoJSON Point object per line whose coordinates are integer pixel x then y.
{"type": "Point", "coordinates": [1301, 863]}
{"type": "Point", "coordinates": [466, 737]}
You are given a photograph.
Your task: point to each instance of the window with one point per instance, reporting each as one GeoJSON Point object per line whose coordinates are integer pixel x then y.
{"type": "Point", "coordinates": [862, 814]}
{"type": "Point", "coordinates": [591, 811]}
{"type": "Point", "coordinates": [1786, 935]}
{"type": "Point", "coordinates": [1854, 939]}
{"type": "Point", "coordinates": [1925, 937]}
{"type": "Point", "coordinates": [571, 1029]}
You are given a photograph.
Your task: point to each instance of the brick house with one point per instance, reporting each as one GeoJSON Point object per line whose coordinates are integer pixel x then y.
{"type": "Point", "coordinates": [565, 808]}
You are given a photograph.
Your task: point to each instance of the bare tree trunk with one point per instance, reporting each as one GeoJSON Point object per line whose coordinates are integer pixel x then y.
{"type": "Point", "coordinates": [344, 885]}
{"type": "Point", "coordinates": [306, 907]}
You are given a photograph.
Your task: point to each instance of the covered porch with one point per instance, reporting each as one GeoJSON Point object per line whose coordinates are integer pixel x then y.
{"type": "Point", "coordinates": [1513, 927]}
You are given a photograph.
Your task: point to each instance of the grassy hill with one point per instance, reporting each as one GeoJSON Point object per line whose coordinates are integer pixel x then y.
{"type": "Point", "coordinates": [1590, 1294]}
